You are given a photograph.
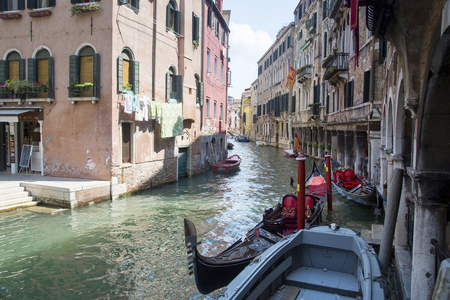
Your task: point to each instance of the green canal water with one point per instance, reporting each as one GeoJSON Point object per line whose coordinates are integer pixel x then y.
{"type": "Point", "coordinates": [133, 248]}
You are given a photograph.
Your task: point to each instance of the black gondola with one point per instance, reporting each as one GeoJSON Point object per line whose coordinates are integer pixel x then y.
{"type": "Point", "coordinates": [217, 271]}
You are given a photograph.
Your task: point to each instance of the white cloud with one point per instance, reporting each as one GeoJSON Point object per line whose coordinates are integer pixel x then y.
{"type": "Point", "coordinates": [246, 48]}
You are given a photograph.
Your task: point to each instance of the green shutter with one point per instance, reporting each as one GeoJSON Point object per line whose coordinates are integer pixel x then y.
{"type": "Point", "coordinates": [177, 21]}
{"type": "Point", "coordinates": [3, 71]}
{"type": "Point", "coordinates": [52, 3]}
{"type": "Point", "coordinates": [22, 75]}
{"type": "Point", "coordinates": [195, 28]}
{"type": "Point", "coordinates": [168, 9]}
{"type": "Point", "coordinates": [366, 86]}
{"type": "Point", "coordinates": [21, 4]}
{"type": "Point", "coordinates": [135, 65]}
{"type": "Point", "coordinates": [75, 1]}
{"type": "Point", "coordinates": [96, 75]}
{"type": "Point", "coordinates": [3, 6]}
{"type": "Point", "coordinates": [202, 92]}
{"type": "Point", "coordinates": [74, 70]}
{"type": "Point", "coordinates": [32, 70]}
{"type": "Point", "coordinates": [51, 78]}
{"type": "Point", "coordinates": [179, 86]}
{"type": "Point", "coordinates": [136, 4]}
{"type": "Point", "coordinates": [119, 74]}
{"type": "Point", "coordinates": [31, 4]}
{"type": "Point", "coordinates": [168, 85]}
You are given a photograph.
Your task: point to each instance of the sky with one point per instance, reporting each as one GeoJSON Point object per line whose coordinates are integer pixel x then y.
{"type": "Point", "coordinates": [254, 25]}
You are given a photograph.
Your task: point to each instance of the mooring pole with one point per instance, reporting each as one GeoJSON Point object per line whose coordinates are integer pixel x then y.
{"type": "Point", "coordinates": [329, 191]}
{"type": "Point", "coordinates": [301, 192]}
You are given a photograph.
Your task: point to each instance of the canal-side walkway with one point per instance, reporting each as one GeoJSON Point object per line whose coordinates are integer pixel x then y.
{"type": "Point", "coordinates": [57, 191]}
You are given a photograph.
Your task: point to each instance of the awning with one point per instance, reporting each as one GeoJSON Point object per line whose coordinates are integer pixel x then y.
{"type": "Point", "coordinates": [12, 115]}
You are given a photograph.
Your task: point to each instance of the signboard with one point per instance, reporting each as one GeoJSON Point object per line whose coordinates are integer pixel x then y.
{"type": "Point", "coordinates": [25, 156]}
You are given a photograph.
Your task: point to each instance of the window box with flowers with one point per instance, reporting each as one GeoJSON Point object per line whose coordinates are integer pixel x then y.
{"type": "Point", "coordinates": [81, 8]}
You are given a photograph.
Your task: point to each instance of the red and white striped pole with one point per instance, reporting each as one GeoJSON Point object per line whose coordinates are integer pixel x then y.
{"type": "Point", "coordinates": [301, 192]}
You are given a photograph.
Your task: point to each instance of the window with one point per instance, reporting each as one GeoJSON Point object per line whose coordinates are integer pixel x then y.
{"type": "Point", "coordinates": [210, 18]}
{"type": "Point", "coordinates": [173, 17]}
{"type": "Point", "coordinates": [221, 73]}
{"type": "Point", "coordinates": [215, 67]}
{"type": "Point", "coordinates": [132, 3]}
{"type": "Point", "coordinates": [325, 43]}
{"type": "Point", "coordinates": [41, 3]}
{"type": "Point", "coordinates": [218, 29]}
{"type": "Point", "coordinates": [221, 112]}
{"type": "Point", "coordinates": [40, 69]}
{"type": "Point", "coordinates": [224, 38]}
{"type": "Point", "coordinates": [195, 30]}
{"type": "Point", "coordinates": [127, 72]}
{"type": "Point", "coordinates": [200, 89]}
{"type": "Point", "coordinates": [85, 68]}
{"type": "Point", "coordinates": [207, 107]}
{"type": "Point", "coordinates": [12, 68]}
{"type": "Point", "coordinates": [208, 61]}
{"type": "Point", "coordinates": [348, 94]}
{"type": "Point", "coordinates": [215, 110]}
{"type": "Point", "coordinates": [366, 86]}
{"type": "Point", "coordinates": [9, 5]}
{"type": "Point", "coordinates": [174, 85]}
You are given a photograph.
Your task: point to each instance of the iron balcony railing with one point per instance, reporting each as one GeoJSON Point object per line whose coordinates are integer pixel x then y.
{"type": "Point", "coordinates": [304, 74]}
{"type": "Point", "coordinates": [337, 63]}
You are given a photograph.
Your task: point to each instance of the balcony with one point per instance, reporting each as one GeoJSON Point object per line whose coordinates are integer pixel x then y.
{"type": "Point", "coordinates": [335, 65]}
{"type": "Point", "coordinates": [304, 74]}
{"type": "Point", "coordinates": [26, 96]}
{"type": "Point", "coordinates": [334, 8]}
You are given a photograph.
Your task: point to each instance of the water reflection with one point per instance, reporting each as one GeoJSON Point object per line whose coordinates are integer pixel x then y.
{"type": "Point", "coordinates": [133, 248]}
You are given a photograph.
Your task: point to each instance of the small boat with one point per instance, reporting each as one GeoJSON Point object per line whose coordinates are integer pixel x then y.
{"type": "Point", "coordinates": [289, 152]}
{"type": "Point", "coordinates": [230, 164]}
{"type": "Point", "coordinates": [242, 139]}
{"type": "Point", "coordinates": [325, 262]}
{"type": "Point", "coordinates": [353, 187]}
{"type": "Point", "coordinates": [261, 143]}
{"type": "Point", "coordinates": [217, 271]}
{"type": "Point", "coordinates": [230, 146]}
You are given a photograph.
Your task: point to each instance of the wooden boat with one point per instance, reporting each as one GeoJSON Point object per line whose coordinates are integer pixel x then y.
{"type": "Point", "coordinates": [217, 271]}
{"type": "Point", "coordinates": [353, 187]}
{"type": "Point", "coordinates": [289, 152]}
{"type": "Point", "coordinates": [230, 164]}
{"type": "Point", "coordinates": [325, 262]}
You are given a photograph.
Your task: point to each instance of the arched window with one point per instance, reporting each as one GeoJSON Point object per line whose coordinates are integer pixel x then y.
{"type": "Point", "coordinates": [173, 17]}
{"type": "Point", "coordinates": [127, 72]}
{"type": "Point", "coordinates": [40, 69]}
{"type": "Point", "coordinates": [84, 68]}
{"type": "Point", "coordinates": [174, 85]}
{"type": "Point", "coordinates": [14, 66]}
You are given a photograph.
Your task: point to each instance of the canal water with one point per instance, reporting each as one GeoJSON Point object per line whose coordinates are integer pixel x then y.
{"type": "Point", "coordinates": [133, 248]}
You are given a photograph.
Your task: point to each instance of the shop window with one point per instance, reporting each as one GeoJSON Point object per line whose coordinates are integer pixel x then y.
{"type": "Point", "coordinates": [84, 70]}
{"type": "Point", "coordinates": [127, 72]}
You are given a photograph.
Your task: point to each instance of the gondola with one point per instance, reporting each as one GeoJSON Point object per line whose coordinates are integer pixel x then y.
{"type": "Point", "coordinates": [353, 187]}
{"type": "Point", "coordinates": [230, 164]}
{"type": "Point", "coordinates": [217, 271]}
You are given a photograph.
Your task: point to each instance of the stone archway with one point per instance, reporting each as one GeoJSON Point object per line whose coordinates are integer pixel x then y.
{"type": "Point", "coordinates": [432, 172]}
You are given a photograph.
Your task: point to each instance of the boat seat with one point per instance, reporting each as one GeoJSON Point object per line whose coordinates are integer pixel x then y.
{"type": "Point", "coordinates": [339, 178]}
{"type": "Point", "coordinates": [350, 179]}
{"type": "Point", "coordinates": [323, 280]}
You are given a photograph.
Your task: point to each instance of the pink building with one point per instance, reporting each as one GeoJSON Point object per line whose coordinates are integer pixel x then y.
{"type": "Point", "coordinates": [123, 88]}
{"type": "Point", "coordinates": [215, 79]}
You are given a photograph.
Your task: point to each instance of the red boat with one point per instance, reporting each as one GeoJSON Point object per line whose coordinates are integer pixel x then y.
{"type": "Point", "coordinates": [230, 164]}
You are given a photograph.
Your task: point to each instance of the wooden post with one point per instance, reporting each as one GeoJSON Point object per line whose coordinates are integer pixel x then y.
{"type": "Point", "coordinates": [329, 190]}
{"type": "Point", "coordinates": [301, 192]}
{"type": "Point", "coordinates": [393, 201]}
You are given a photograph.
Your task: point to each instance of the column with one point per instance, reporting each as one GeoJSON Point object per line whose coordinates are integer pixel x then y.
{"type": "Point", "coordinates": [349, 149]}
{"type": "Point", "coordinates": [360, 153]}
{"type": "Point", "coordinates": [340, 147]}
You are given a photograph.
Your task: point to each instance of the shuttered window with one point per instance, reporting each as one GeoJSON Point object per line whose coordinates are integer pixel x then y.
{"type": "Point", "coordinates": [366, 86]}
{"type": "Point", "coordinates": [195, 29]}
{"type": "Point", "coordinates": [173, 17]}
{"type": "Point", "coordinates": [85, 68]}
{"type": "Point", "coordinates": [40, 3]}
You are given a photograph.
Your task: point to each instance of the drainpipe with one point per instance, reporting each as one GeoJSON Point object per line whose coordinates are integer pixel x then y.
{"type": "Point", "coordinates": [154, 50]}
{"type": "Point", "coordinates": [202, 78]}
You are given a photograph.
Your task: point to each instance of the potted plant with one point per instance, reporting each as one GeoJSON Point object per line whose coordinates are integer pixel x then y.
{"type": "Point", "coordinates": [127, 86]}
{"type": "Point", "coordinates": [195, 44]}
{"type": "Point", "coordinates": [315, 145]}
{"type": "Point", "coordinates": [322, 146]}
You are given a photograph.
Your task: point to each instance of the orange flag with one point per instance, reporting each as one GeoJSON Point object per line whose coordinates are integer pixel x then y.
{"type": "Point", "coordinates": [291, 77]}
